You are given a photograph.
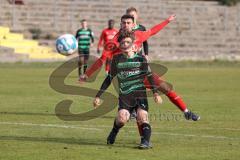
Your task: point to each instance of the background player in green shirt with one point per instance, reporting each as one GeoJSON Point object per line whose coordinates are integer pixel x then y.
{"type": "Point", "coordinates": [85, 39]}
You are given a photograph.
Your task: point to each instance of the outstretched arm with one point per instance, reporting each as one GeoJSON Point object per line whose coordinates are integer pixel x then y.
{"type": "Point", "coordinates": [98, 64]}
{"type": "Point", "coordinates": [106, 83]}
{"type": "Point", "coordinates": [160, 26]}
{"type": "Point", "coordinates": [155, 29]}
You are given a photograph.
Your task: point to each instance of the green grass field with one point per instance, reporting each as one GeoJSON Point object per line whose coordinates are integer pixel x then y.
{"type": "Point", "coordinates": [30, 130]}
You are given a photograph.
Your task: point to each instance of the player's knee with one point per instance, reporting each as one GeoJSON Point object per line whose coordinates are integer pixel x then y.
{"type": "Point", "coordinates": [123, 116]}
{"type": "Point", "coordinates": [142, 116]}
{"type": "Point", "coordinates": [122, 120]}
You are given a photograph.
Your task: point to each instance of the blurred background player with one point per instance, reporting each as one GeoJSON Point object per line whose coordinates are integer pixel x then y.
{"type": "Point", "coordinates": [133, 12]}
{"type": "Point", "coordinates": [132, 91]}
{"type": "Point", "coordinates": [106, 36]}
{"type": "Point", "coordinates": [85, 38]}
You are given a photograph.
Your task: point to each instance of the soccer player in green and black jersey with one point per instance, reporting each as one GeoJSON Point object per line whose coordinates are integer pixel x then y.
{"type": "Point", "coordinates": [85, 39]}
{"type": "Point", "coordinates": [130, 69]}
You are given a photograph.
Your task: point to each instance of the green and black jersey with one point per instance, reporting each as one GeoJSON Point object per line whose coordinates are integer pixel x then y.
{"type": "Point", "coordinates": [130, 73]}
{"type": "Point", "coordinates": [85, 38]}
{"type": "Point", "coordinates": [140, 27]}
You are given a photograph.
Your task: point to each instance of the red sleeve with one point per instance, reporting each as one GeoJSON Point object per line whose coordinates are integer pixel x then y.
{"type": "Point", "coordinates": [100, 42]}
{"type": "Point", "coordinates": [158, 27]}
{"type": "Point", "coordinates": [144, 35]}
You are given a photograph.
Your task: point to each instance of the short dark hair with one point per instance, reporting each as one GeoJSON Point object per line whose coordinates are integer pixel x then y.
{"type": "Point", "coordinates": [83, 20]}
{"type": "Point", "coordinates": [126, 16]}
{"type": "Point", "coordinates": [126, 34]}
{"type": "Point", "coordinates": [130, 9]}
{"type": "Point", "coordinates": [111, 21]}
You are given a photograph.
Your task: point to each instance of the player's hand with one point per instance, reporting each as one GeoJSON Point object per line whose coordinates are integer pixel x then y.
{"type": "Point", "coordinates": [172, 17]}
{"type": "Point", "coordinates": [157, 98]}
{"type": "Point", "coordinates": [98, 51]}
{"type": "Point", "coordinates": [96, 102]}
{"type": "Point", "coordinates": [91, 44]}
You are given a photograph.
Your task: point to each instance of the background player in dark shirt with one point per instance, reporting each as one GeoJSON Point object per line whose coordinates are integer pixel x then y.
{"type": "Point", "coordinates": [133, 12]}
{"type": "Point", "coordinates": [85, 39]}
{"type": "Point", "coordinates": [131, 70]}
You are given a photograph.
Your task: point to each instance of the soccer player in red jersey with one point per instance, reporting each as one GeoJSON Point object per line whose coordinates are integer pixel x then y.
{"type": "Point", "coordinates": [106, 36]}
{"type": "Point", "coordinates": [127, 23]}
{"type": "Point", "coordinates": [141, 36]}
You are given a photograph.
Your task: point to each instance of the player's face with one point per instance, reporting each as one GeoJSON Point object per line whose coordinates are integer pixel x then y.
{"type": "Point", "coordinates": [134, 14]}
{"type": "Point", "coordinates": [111, 24]}
{"type": "Point", "coordinates": [84, 24]}
{"type": "Point", "coordinates": [126, 44]}
{"type": "Point", "coordinates": [127, 24]}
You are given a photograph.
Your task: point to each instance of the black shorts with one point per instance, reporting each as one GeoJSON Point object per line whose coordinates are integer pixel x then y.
{"type": "Point", "coordinates": [84, 54]}
{"type": "Point", "coordinates": [133, 101]}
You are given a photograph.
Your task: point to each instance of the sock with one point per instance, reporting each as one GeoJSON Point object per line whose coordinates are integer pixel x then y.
{"type": "Point", "coordinates": [84, 68]}
{"type": "Point", "coordinates": [146, 128]}
{"type": "Point", "coordinates": [116, 126]}
{"type": "Point", "coordinates": [177, 100]}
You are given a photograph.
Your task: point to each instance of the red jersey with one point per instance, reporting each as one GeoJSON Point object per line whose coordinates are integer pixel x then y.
{"type": "Point", "coordinates": [106, 36]}
{"type": "Point", "coordinates": [140, 37]}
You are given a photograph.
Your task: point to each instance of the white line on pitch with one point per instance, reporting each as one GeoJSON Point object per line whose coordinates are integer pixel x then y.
{"type": "Point", "coordinates": [192, 135]}
{"type": "Point", "coordinates": [50, 125]}
{"type": "Point", "coordinates": [101, 129]}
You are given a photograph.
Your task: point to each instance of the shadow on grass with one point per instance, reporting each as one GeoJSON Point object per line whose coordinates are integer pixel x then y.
{"type": "Point", "coordinates": [71, 141]}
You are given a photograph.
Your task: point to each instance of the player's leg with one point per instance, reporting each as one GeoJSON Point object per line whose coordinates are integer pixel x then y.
{"type": "Point", "coordinates": [107, 65]}
{"type": "Point", "coordinates": [142, 120]}
{"type": "Point", "coordinates": [145, 127]}
{"type": "Point", "coordinates": [119, 122]}
{"type": "Point", "coordinates": [166, 89]}
{"type": "Point", "coordinates": [80, 63]}
{"type": "Point", "coordinates": [178, 101]}
{"type": "Point", "coordinates": [96, 65]}
{"type": "Point", "coordinates": [86, 57]}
